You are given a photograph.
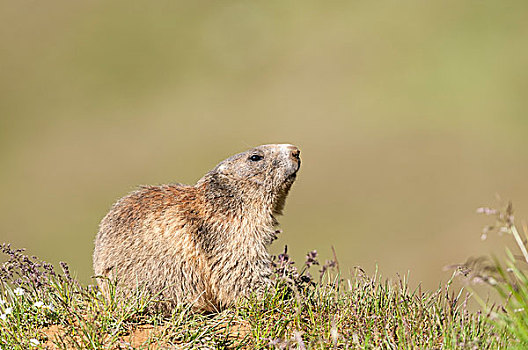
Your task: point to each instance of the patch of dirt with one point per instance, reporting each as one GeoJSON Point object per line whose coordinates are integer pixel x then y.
{"type": "Point", "coordinates": [52, 333]}
{"type": "Point", "coordinates": [145, 337]}
{"type": "Point", "coordinates": [141, 337]}
{"type": "Point", "coordinates": [238, 330]}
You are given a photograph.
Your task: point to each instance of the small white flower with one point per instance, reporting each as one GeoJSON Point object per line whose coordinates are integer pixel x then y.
{"type": "Point", "coordinates": [49, 307]}
{"type": "Point", "coordinates": [38, 304]}
{"type": "Point", "coordinates": [19, 291]}
{"type": "Point", "coordinates": [335, 334]}
{"type": "Point", "coordinates": [34, 342]}
{"type": "Point", "coordinates": [3, 317]}
{"type": "Point", "coordinates": [8, 311]}
{"type": "Point", "coordinates": [2, 301]}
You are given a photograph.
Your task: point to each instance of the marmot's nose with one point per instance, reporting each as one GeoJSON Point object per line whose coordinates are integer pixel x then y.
{"type": "Point", "coordinates": [295, 153]}
{"type": "Point", "coordinates": [292, 151]}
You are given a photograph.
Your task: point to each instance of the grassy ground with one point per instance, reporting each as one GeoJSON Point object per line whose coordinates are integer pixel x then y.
{"type": "Point", "coordinates": [45, 309]}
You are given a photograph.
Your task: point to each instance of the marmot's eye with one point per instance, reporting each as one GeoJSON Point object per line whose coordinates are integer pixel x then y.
{"type": "Point", "coordinates": [255, 158]}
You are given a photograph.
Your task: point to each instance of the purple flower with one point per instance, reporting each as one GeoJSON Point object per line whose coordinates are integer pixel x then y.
{"type": "Point", "coordinates": [311, 258]}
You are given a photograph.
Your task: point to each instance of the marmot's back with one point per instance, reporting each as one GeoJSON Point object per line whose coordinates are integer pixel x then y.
{"type": "Point", "coordinates": [146, 241]}
{"type": "Point", "coordinates": [202, 244]}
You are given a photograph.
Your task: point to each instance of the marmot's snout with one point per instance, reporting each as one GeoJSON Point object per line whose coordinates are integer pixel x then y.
{"type": "Point", "coordinates": [296, 154]}
{"type": "Point", "coordinates": [293, 159]}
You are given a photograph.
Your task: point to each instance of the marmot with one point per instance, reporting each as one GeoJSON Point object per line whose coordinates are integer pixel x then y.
{"type": "Point", "coordinates": [206, 244]}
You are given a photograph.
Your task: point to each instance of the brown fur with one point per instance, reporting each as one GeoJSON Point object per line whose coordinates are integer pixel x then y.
{"type": "Point", "coordinates": [204, 244]}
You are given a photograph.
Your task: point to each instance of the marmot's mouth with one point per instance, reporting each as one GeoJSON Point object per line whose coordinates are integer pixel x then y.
{"type": "Point", "coordinates": [294, 171]}
{"type": "Point", "coordinates": [291, 177]}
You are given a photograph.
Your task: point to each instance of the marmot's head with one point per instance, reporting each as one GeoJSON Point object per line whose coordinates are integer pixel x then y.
{"type": "Point", "coordinates": [262, 175]}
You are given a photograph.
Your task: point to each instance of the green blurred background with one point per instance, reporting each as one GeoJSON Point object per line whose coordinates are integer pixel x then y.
{"type": "Point", "coordinates": [409, 115]}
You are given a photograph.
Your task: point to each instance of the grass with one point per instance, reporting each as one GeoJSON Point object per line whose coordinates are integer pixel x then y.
{"type": "Point", "coordinates": [42, 308]}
